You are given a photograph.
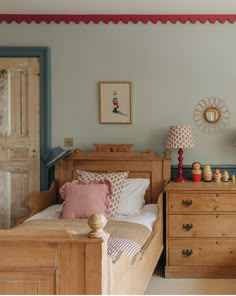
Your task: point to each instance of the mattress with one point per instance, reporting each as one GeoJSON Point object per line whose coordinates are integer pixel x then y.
{"type": "Point", "coordinates": [147, 216]}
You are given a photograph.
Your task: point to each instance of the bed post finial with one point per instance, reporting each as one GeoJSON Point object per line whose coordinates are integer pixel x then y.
{"type": "Point", "coordinates": [167, 153]}
{"type": "Point", "coordinates": [97, 222]}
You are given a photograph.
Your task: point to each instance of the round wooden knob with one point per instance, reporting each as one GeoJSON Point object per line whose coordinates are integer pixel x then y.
{"type": "Point", "coordinates": [97, 222]}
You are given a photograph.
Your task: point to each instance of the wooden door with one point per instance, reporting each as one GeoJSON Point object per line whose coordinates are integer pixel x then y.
{"type": "Point", "coordinates": [19, 137]}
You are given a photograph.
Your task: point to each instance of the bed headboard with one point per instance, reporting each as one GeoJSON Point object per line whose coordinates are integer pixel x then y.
{"type": "Point", "coordinates": [116, 158]}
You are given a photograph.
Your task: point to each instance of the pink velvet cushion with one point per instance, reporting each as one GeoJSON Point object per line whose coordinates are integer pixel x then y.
{"type": "Point", "coordinates": [83, 200]}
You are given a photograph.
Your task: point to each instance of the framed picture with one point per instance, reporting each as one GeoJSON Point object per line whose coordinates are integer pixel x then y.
{"type": "Point", "coordinates": [115, 102]}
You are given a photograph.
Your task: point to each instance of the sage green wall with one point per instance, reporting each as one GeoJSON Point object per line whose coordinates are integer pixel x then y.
{"type": "Point", "coordinates": [171, 67]}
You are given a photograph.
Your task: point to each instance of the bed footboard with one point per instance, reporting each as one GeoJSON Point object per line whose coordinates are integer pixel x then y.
{"type": "Point", "coordinates": [52, 262]}
{"type": "Point", "coordinates": [62, 262]}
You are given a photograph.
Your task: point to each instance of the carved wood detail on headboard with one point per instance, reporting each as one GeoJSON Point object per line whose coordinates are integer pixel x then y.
{"type": "Point", "coordinates": [115, 151]}
{"type": "Point", "coordinates": [113, 147]}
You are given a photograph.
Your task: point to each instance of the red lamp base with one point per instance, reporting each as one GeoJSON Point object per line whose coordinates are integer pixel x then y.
{"type": "Point", "coordinates": [180, 179]}
{"type": "Point", "coordinates": [180, 168]}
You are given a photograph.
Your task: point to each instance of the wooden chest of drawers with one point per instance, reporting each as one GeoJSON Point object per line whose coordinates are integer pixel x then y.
{"type": "Point", "coordinates": [200, 230]}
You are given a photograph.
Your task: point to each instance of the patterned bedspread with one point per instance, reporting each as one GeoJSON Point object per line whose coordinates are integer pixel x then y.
{"type": "Point", "coordinates": [124, 235]}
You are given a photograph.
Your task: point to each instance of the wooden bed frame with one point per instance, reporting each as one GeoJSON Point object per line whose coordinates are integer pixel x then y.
{"type": "Point", "coordinates": [59, 262]}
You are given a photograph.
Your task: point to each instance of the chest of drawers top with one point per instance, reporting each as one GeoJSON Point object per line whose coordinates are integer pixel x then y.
{"type": "Point", "coordinates": [202, 186]}
{"type": "Point", "coordinates": [201, 196]}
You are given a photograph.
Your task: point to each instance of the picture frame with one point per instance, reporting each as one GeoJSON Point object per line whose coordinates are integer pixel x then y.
{"type": "Point", "coordinates": [115, 102]}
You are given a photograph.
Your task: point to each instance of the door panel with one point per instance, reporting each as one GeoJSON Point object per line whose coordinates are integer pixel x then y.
{"type": "Point", "coordinates": [19, 137]}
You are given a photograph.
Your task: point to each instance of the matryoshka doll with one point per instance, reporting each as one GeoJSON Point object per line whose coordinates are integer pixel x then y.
{"type": "Point", "coordinates": [207, 173]}
{"type": "Point", "coordinates": [196, 172]}
{"type": "Point", "coordinates": [217, 175]}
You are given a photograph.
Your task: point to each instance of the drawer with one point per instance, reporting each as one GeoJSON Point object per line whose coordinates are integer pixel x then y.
{"type": "Point", "coordinates": [201, 225]}
{"type": "Point", "coordinates": [201, 202]}
{"type": "Point", "coordinates": [205, 252]}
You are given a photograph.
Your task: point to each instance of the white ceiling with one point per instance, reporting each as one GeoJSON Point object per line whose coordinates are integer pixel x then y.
{"type": "Point", "coordinates": [117, 6]}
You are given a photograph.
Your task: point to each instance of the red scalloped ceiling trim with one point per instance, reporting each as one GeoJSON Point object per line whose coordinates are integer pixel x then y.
{"type": "Point", "coordinates": [117, 18]}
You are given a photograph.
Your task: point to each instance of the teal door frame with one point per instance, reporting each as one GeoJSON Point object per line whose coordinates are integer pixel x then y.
{"type": "Point", "coordinates": [44, 55]}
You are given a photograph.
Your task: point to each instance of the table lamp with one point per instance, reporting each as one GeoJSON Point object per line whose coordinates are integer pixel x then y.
{"type": "Point", "coordinates": [180, 137]}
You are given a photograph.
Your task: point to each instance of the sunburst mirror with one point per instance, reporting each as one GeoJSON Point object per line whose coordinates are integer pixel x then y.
{"type": "Point", "coordinates": [211, 115]}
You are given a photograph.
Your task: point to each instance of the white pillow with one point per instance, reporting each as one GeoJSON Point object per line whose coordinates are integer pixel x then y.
{"type": "Point", "coordinates": [132, 196]}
